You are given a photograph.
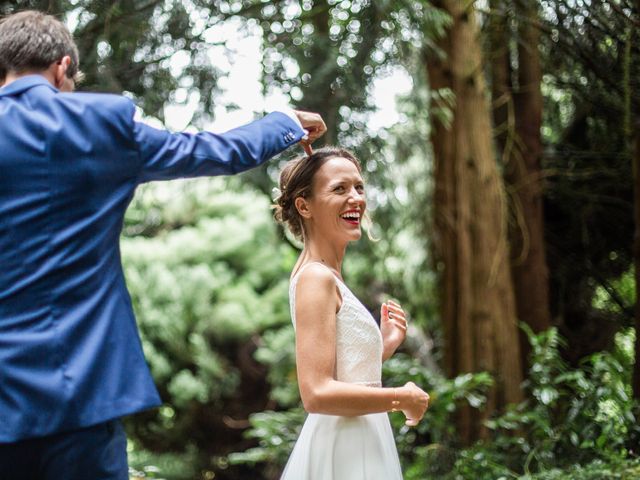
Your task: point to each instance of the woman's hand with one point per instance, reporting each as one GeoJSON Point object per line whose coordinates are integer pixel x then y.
{"type": "Point", "coordinates": [393, 326]}
{"type": "Point", "coordinates": [413, 403]}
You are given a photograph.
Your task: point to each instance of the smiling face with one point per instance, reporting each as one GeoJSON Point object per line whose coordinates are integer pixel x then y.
{"type": "Point", "coordinates": [337, 203]}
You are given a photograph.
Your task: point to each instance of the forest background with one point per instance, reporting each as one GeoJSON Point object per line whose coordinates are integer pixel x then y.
{"type": "Point", "coordinates": [505, 198]}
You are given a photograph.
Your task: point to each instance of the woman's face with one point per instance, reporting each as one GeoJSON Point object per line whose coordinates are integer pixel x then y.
{"type": "Point", "coordinates": [337, 201]}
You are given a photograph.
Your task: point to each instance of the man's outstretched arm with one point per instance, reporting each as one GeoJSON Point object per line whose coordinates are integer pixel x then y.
{"type": "Point", "coordinates": [166, 155]}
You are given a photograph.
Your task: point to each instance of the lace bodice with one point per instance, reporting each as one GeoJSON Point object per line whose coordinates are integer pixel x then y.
{"type": "Point", "coordinates": [358, 338]}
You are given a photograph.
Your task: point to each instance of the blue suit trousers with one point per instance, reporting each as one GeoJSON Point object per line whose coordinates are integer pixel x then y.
{"type": "Point", "coordinates": [98, 452]}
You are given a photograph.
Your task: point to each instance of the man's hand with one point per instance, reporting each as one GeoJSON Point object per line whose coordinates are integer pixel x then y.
{"type": "Point", "coordinates": [312, 123]}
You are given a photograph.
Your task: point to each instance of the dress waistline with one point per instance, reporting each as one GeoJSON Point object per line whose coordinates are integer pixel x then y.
{"type": "Point", "coordinates": [368, 384]}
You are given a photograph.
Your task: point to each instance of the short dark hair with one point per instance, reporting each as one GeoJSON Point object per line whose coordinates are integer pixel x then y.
{"type": "Point", "coordinates": [32, 40]}
{"type": "Point", "coordinates": [296, 180]}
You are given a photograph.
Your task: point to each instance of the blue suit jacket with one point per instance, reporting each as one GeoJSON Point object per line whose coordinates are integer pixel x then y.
{"type": "Point", "coordinates": [70, 355]}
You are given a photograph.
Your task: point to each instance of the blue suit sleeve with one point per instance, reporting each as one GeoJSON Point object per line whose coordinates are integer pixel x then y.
{"type": "Point", "coordinates": [166, 155]}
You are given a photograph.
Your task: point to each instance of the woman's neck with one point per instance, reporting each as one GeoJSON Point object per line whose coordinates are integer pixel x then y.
{"type": "Point", "coordinates": [324, 253]}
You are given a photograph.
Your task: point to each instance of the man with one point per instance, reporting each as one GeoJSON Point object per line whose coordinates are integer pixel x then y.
{"type": "Point", "coordinates": [71, 363]}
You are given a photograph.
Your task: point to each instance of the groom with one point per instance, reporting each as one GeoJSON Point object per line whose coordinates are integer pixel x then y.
{"type": "Point", "coordinates": [71, 363]}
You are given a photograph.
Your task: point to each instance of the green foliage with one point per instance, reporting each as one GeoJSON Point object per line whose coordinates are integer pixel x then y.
{"type": "Point", "coordinates": [572, 417]}
{"type": "Point", "coordinates": [596, 470]}
{"type": "Point", "coordinates": [446, 395]}
{"type": "Point", "coordinates": [162, 466]}
{"type": "Point", "coordinates": [426, 449]}
{"type": "Point", "coordinates": [204, 290]}
{"type": "Point", "coordinates": [155, 51]}
{"type": "Point", "coordinates": [276, 433]}
{"type": "Point", "coordinates": [278, 353]}
{"type": "Point", "coordinates": [325, 54]}
{"type": "Point", "coordinates": [618, 296]}
{"type": "Point", "coordinates": [590, 84]}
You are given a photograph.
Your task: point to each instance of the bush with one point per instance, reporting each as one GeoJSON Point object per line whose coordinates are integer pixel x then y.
{"type": "Point", "coordinates": [596, 470]}
{"type": "Point", "coordinates": [572, 417]}
{"type": "Point", "coordinates": [204, 292]}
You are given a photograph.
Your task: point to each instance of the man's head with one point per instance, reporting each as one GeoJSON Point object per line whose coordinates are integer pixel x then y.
{"type": "Point", "coordinates": [32, 42]}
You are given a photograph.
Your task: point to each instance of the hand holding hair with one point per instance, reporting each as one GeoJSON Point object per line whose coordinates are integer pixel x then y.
{"type": "Point", "coordinates": [314, 125]}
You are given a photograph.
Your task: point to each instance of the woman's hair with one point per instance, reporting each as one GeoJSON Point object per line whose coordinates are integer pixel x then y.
{"type": "Point", "coordinates": [296, 179]}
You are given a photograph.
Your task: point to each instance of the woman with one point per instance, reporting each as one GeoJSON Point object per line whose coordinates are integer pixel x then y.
{"type": "Point", "coordinates": [339, 346]}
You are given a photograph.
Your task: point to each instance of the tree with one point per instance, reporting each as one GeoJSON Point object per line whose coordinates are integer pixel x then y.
{"type": "Point", "coordinates": [636, 239]}
{"type": "Point", "coordinates": [636, 252]}
{"type": "Point", "coordinates": [326, 53]}
{"type": "Point", "coordinates": [478, 305]}
{"type": "Point", "coordinates": [131, 47]}
{"type": "Point", "coordinates": [590, 89]}
{"type": "Point", "coordinates": [517, 115]}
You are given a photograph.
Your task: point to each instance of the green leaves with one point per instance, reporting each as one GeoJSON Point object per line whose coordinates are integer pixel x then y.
{"type": "Point", "coordinates": [573, 415]}
{"type": "Point", "coordinates": [276, 433]}
{"type": "Point", "coordinates": [207, 278]}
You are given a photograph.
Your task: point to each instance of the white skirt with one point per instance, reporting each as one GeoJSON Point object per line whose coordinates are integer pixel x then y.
{"type": "Point", "coordinates": [344, 448]}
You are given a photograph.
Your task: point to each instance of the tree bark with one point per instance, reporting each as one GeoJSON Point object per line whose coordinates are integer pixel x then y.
{"type": "Point", "coordinates": [517, 115]}
{"type": "Point", "coordinates": [478, 305]}
{"type": "Point", "coordinates": [636, 254]}
{"type": "Point", "coordinates": [636, 239]}
{"type": "Point", "coordinates": [501, 95]}
{"type": "Point", "coordinates": [531, 275]}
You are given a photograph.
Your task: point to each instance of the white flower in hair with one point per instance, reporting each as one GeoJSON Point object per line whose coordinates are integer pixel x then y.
{"type": "Point", "coordinates": [276, 193]}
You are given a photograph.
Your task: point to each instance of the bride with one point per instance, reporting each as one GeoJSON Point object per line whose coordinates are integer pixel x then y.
{"type": "Point", "coordinates": [339, 346]}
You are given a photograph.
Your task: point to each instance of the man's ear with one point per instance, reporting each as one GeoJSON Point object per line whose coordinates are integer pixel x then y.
{"type": "Point", "coordinates": [303, 207]}
{"type": "Point", "coordinates": [60, 72]}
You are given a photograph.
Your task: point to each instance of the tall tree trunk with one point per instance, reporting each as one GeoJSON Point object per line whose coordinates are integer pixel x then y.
{"type": "Point", "coordinates": [500, 64]}
{"type": "Point", "coordinates": [531, 275]}
{"type": "Point", "coordinates": [636, 240]}
{"type": "Point", "coordinates": [478, 305]}
{"type": "Point", "coordinates": [636, 253]}
{"type": "Point", "coordinates": [517, 115]}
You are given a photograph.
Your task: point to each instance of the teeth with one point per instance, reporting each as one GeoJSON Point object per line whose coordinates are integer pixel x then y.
{"type": "Point", "coordinates": [354, 215]}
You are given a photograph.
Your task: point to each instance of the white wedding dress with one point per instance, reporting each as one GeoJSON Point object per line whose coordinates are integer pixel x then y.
{"type": "Point", "coordinates": [347, 448]}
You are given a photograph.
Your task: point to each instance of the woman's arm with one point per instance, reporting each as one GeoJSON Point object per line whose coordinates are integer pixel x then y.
{"type": "Point", "coordinates": [317, 301]}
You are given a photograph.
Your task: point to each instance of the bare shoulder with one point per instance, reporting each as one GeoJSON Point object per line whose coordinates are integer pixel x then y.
{"type": "Point", "coordinates": [318, 278]}
{"type": "Point", "coordinates": [317, 299]}
{"type": "Point", "coordinates": [317, 287]}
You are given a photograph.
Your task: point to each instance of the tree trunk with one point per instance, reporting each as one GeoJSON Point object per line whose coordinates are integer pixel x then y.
{"type": "Point", "coordinates": [636, 239]}
{"type": "Point", "coordinates": [517, 115]}
{"type": "Point", "coordinates": [478, 305]}
{"type": "Point", "coordinates": [636, 254]}
{"type": "Point", "coordinates": [320, 94]}
{"type": "Point", "coordinates": [531, 275]}
{"type": "Point", "coordinates": [502, 99]}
